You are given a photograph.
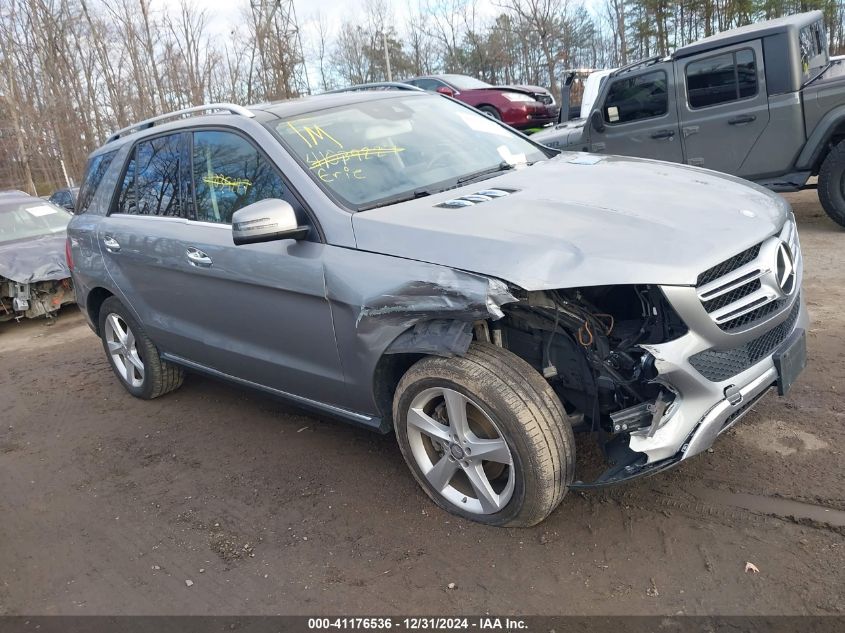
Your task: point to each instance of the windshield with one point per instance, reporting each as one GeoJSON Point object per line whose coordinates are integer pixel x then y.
{"type": "Point", "coordinates": [462, 82]}
{"type": "Point", "coordinates": [378, 150]}
{"type": "Point", "coordinates": [25, 219]}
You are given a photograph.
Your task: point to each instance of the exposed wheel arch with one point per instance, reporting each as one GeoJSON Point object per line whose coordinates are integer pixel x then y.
{"type": "Point", "coordinates": [438, 337]}
{"type": "Point", "coordinates": [95, 301]}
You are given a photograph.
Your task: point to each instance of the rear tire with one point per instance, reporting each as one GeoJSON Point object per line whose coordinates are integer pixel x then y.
{"type": "Point", "coordinates": [832, 184]}
{"type": "Point", "coordinates": [133, 357]}
{"type": "Point", "coordinates": [511, 414]}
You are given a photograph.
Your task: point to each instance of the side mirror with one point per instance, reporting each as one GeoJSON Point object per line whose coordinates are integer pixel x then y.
{"type": "Point", "coordinates": [266, 221]}
{"type": "Point", "coordinates": [597, 121]}
{"type": "Point", "coordinates": [446, 90]}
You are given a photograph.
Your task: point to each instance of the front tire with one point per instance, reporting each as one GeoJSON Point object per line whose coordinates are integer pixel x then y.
{"type": "Point", "coordinates": [491, 112]}
{"type": "Point", "coordinates": [485, 436]}
{"type": "Point", "coordinates": [832, 184]}
{"type": "Point", "coordinates": [133, 357]}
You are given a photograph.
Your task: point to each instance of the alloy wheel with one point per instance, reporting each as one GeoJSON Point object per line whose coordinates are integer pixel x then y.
{"type": "Point", "coordinates": [460, 451]}
{"type": "Point", "coordinates": [121, 344]}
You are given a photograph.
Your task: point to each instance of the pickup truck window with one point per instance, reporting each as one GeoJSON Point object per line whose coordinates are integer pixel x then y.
{"type": "Point", "coordinates": [637, 98]}
{"type": "Point", "coordinates": [722, 79]}
{"type": "Point", "coordinates": [812, 40]}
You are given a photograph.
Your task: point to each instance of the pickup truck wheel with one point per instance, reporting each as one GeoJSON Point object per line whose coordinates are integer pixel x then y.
{"type": "Point", "coordinates": [832, 184]}
{"type": "Point", "coordinates": [134, 358]}
{"type": "Point", "coordinates": [485, 436]}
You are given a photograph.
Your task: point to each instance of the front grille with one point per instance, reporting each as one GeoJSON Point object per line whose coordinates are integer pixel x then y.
{"type": "Point", "coordinates": [719, 365]}
{"type": "Point", "coordinates": [756, 315]}
{"type": "Point", "coordinates": [732, 296]}
{"type": "Point", "coordinates": [728, 265]}
{"type": "Point", "coordinates": [741, 292]}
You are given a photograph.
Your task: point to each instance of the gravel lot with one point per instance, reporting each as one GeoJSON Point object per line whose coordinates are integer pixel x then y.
{"type": "Point", "coordinates": [216, 500]}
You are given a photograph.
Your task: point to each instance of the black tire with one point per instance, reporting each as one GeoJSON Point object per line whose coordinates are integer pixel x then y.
{"type": "Point", "coordinates": [527, 413]}
{"type": "Point", "coordinates": [832, 184]}
{"type": "Point", "coordinates": [159, 376]}
{"type": "Point", "coordinates": [491, 111]}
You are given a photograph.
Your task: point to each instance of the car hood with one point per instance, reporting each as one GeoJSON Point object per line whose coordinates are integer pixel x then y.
{"type": "Point", "coordinates": [37, 259]}
{"type": "Point", "coordinates": [561, 135]}
{"type": "Point", "coordinates": [583, 220]}
{"type": "Point", "coordinates": [525, 88]}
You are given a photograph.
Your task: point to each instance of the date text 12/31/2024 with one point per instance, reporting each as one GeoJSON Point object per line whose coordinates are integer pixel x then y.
{"type": "Point", "coordinates": [420, 623]}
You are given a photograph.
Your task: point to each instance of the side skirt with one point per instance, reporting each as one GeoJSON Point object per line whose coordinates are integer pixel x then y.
{"type": "Point", "coordinates": [358, 419]}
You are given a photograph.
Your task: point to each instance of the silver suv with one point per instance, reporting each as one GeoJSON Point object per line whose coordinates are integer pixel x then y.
{"type": "Point", "coordinates": [402, 262]}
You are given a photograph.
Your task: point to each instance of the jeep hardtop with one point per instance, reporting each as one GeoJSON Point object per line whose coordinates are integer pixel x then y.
{"type": "Point", "coordinates": [765, 102]}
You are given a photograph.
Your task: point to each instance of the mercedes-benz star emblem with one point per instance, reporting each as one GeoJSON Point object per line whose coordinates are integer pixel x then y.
{"type": "Point", "coordinates": [784, 269]}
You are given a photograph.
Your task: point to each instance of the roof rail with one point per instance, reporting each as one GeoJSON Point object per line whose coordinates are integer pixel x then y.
{"type": "Point", "coordinates": [148, 123]}
{"type": "Point", "coordinates": [376, 85]}
{"type": "Point", "coordinates": [648, 61]}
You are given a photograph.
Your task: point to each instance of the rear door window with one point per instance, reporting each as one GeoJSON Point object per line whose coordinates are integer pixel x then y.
{"type": "Point", "coordinates": [151, 183]}
{"type": "Point", "coordinates": [637, 98]}
{"type": "Point", "coordinates": [230, 173]}
{"type": "Point", "coordinates": [722, 79]}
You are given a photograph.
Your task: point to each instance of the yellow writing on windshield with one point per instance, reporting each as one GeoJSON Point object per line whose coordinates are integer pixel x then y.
{"type": "Point", "coordinates": [326, 159]}
{"type": "Point", "coordinates": [240, 185]}
{"type": "Point", "coordinates": [311, 135]}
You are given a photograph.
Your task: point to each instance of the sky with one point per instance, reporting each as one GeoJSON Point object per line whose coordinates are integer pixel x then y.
{"type": "Point", "coordinates": [224, 14]}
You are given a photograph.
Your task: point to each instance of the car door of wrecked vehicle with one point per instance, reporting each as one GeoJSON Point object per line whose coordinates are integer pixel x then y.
{"type": "Point", "coordinates": [257, 312]}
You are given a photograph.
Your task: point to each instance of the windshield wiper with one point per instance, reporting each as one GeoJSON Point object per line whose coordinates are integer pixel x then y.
{"type": "Point", "coordinates": [503, 166]}
{"type": "Point", "coordinates": [402, 197]}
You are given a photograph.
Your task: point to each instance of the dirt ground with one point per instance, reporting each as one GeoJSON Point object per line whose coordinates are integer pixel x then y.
{"type": "Point", "coordinates": [214, 500]}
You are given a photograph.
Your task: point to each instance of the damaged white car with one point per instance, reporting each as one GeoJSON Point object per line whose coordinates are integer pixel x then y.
{"type": "Point", "coordinates": [400, 261]}
{"type": "Point", "coordinates": [34, 277]}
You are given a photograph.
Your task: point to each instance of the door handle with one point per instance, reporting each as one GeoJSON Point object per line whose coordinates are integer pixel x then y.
{"type": "Point", "coordinates": [111, 244]}
{"type": "Point", "coordinates": [660, 134]}
{"type": "Point", "coordinates": [197, 258]}
{"type": "Point", "coordinates": [740, 120]}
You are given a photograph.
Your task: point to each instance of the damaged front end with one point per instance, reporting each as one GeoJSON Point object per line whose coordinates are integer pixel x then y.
{"type": "Point", "coordinates": [590, 345]}
{"type": "Point", "coordinates": [30, 300]}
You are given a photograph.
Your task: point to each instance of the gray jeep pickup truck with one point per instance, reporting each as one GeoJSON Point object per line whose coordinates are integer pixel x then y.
{"type": "Point", "coordinates": [764, 102]}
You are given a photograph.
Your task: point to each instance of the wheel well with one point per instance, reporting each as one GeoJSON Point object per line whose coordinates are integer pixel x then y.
{"type": "Point", "coordinates": [389, 371]}
{"type": "Point", "coordinates": [95, 301]}
{"type": "Point", "coordinates": [837, 137]}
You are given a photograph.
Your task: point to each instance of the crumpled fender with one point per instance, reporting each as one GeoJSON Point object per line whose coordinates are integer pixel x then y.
{"type": "Point", "coordinates": [376, 299]}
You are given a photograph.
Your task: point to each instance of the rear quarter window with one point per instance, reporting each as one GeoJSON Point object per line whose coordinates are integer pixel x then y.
{"type": "Point", "coordinates": [94, 172]}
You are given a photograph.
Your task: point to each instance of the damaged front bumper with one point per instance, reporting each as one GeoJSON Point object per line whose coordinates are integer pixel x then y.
{"type": "Point", "coordinates": [702, 408]}
{"type": "Point", "coordinates": [712, 389]}
{"type": "Point", "coordinates": [32, 300]}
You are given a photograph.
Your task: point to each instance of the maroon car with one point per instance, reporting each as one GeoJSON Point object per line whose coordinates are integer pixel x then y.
{"type": "Point", "coordinates": [519, 106]}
